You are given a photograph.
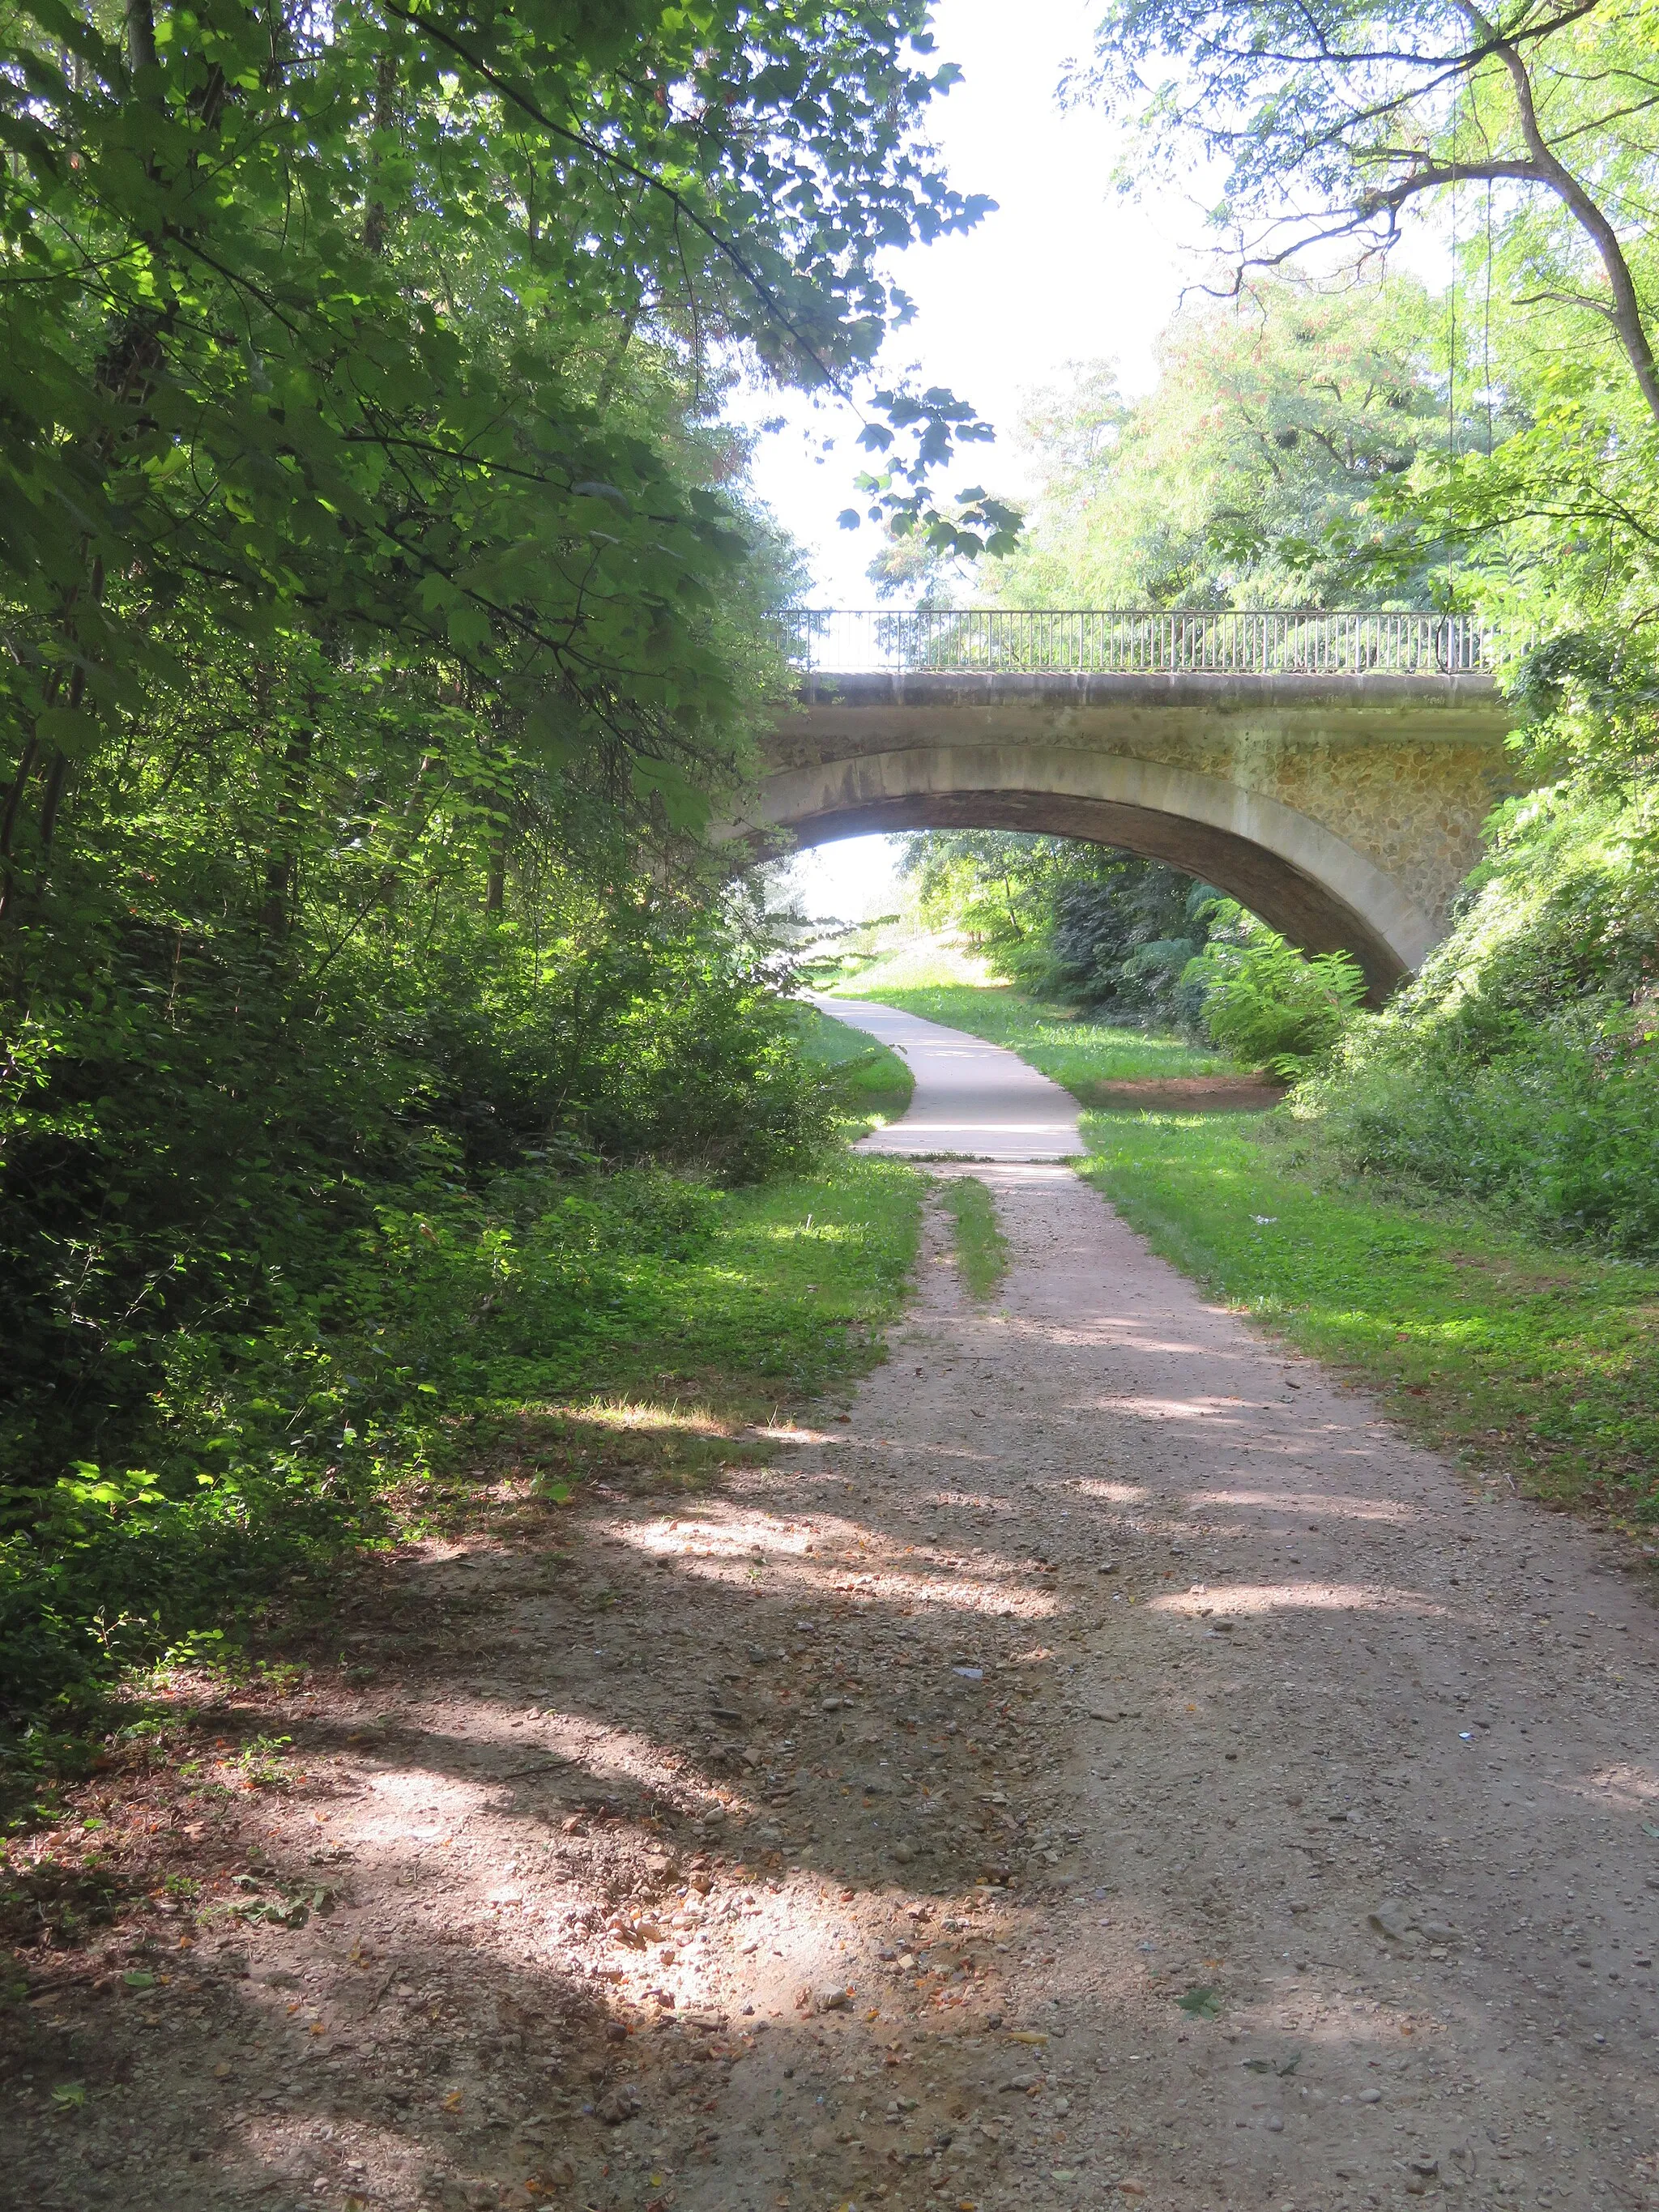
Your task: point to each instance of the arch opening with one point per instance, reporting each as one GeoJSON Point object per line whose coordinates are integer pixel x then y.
{"type": "Point", "coordinates": [1299, 907]}
{"type": "Point", "coordinates": [1299, 876]}
{"type": "Point", "coordinates": [1294, 904]}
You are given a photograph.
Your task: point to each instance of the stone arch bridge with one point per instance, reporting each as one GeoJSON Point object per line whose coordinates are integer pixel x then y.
{"type": "Point", "coordinates": [1331, 771]}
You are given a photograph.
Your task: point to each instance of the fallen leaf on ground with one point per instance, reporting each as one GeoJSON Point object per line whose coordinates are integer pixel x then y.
{"type": "Point", "coordinates": [1200, 2003]}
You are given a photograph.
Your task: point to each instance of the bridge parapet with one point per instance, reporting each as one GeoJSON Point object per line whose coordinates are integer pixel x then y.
{"type": "Point", "coordinates": [1135, 641]}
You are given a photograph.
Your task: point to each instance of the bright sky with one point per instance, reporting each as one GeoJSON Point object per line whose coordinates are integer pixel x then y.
{"type": "Point", "coordinates": [1063, 270]}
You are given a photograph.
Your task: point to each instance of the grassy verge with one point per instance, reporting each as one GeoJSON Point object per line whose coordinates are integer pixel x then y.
{"type": "Point", "coordinates": [873, 1085]}
{"type": "Point", "coordinates": [786, 1300]}
{"type": "Point", "coordinates": [1538, 1366]}
{"type": "Point", "coordinates": [1083, 1055]}
{"type": "Point", "coordinates": [980, 1247]}
{"type": "Point", "coordinates": [481, 1361]}
{"type": "Point", "coordinates": [907, 962]}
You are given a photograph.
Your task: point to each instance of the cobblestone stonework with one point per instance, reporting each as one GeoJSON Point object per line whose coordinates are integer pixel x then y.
{"type": "Point", "coordinates": [1413, 808]}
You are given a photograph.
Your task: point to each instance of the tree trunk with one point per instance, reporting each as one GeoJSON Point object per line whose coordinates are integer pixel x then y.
{"type": "Point", "coordinates": [376, 221]}
{"type": "Point", "coordinates": [283, 861]}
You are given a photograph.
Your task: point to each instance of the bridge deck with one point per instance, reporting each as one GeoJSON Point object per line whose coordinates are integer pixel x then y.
{"type": "Point", "coordinates": [1207, 692]}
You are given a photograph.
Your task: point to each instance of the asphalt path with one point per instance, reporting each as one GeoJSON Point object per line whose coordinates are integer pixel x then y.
{"type": "Point", "coordinates": [973, 1101]}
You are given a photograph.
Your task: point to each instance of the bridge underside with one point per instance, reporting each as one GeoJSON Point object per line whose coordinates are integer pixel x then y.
{"type": "Point", "coordinates": [1307, 912]}
{"type": "Point", "coordinates": [1299, 875]}
{"type": "Point", "coordinates": [1345, 809]}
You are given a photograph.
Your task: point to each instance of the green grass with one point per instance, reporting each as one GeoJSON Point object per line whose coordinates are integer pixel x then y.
{"type": "Point", "coordinates": [872, 1084]}
{"type": "Point", "coordinates": [796, 1276]}
{"type": "Point", "coordinates": [981, 1249]}
{"type": "Point", "coordinates": [1079, 1053]}
{"type": "Point", "coordinates": [1537, 1365]}
{"type": "Point", "coordinates": [787, 1300]}
{"type": "Point", "coordinates": [635, 1325]}
{"type": "Point", "coordinates": [908, 962]}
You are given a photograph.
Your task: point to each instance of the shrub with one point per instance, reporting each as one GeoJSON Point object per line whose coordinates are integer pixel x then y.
{"type": "Point", "coordinates": [1267, 1004]}
{"type": "Point", "coordinates": [270, 1446]}
{"type": "Point", "coordinates": [1519, 1067]}
{"type": "Point", "coordinates": [257, 1243]}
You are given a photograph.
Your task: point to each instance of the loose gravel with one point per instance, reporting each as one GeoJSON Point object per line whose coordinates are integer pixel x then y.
{"type": "Point", "coordinates": [1107, 1765]}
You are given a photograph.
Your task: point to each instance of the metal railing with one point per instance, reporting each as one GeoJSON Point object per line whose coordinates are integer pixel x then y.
{"type": "Point", "coordinates": [1094, 641]}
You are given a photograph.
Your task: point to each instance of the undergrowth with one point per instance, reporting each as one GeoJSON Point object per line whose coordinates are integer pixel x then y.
{"type": "Point", "coordinates": [981, 1249]}
{"type": "Point", "coordinates": [1520, 1068]}
{"type": "Point", "coordinates": [547, 1325]}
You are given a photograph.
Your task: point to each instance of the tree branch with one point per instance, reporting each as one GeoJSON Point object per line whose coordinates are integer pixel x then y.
{"type": "Point", "coordinates": [1627, 313]}
{"type": "Point", "coordinates": [683, 207]}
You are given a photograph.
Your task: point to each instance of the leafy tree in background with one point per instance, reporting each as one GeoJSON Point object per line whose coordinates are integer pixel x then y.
{"type": "Point", "coordinates": [1328, 120]}
{"type": "Point", "coordinates": [1274, 422]}
{"type": "Point", "coordinates": [1082, 924]}
{"type": "Point", "coordinates": [1526, 132]}
{"type": "Point", "coordinates": [1519, 1067]}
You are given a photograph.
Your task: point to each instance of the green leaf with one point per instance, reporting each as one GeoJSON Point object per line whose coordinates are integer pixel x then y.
{"type": "Point", "coordinates": [686, 806]}
{"type": "Point", "coordinates": [73, 731]}
{"type": "Point", "coordinates": [1202, 2003]}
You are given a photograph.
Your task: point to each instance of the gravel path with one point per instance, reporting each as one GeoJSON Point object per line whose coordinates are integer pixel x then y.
{"type": "Point", "coordinates": [1109, 1766]}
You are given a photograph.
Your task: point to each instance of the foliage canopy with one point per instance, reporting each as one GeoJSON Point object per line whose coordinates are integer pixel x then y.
{"type": "Point", "coordinates": [384, 611]}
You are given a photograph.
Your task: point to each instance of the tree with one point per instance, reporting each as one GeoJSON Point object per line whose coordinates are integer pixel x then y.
{"type": "Point", "coordinates": [385, 607]}
{"type": "Point", "coordinates": [1081, 923]}
{"type": "Point", "coordinates": [1526, 133]}
{"type": "Point", "coordinates": [313, 321]}
{"type": "Point", "coordinates": [1331, 118]}
{"type": "Point", "coordinates": [1274, 420]}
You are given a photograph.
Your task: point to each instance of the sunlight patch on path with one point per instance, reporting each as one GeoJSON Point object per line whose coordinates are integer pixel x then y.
{"type": "Point", "coordinates": [1302, 1597]}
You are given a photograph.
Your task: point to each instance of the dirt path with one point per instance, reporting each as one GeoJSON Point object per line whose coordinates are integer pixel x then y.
{"type": "Point", "coordinates": [853, 1835]}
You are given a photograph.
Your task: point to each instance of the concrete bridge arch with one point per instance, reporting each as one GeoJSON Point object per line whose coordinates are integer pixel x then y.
{"type": "Point", "coordinates": [1344, 808]}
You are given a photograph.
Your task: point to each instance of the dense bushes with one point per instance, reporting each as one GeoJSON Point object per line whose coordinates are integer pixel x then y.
{"type": "Point", "coordinates": [1132, 940]}
{"type": "Point", "coordinates": [269, 1443]}
{"type": "Point", "coordinates": [270, 1210]}
{"type": "Point", "coordinates": [1519, 1067]}
{"type": "Point", "coordinates": [1082, 925]}
{"type": "Point", "coordinates": [192, 1136]}
{"type": "Point", "coordinates": [1121, 943]}
{"type": "Point", "coordinates": [1265, 1003]}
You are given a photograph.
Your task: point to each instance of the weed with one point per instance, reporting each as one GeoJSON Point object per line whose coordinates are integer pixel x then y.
{"type": "Point", "coordinates": [261, 1762]}
{"type": "Point", "coordinates": [980, 1247]}
{"type": "Point", "coordinates": [1267, 1004]}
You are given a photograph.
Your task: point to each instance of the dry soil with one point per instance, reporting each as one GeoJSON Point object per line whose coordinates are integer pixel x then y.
{"type": "Point", "coordinates": [1112, 1766]}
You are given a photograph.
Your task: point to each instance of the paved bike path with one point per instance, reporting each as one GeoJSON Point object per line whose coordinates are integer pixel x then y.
{"type": "Point", "coordinates": [973, 1100]}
